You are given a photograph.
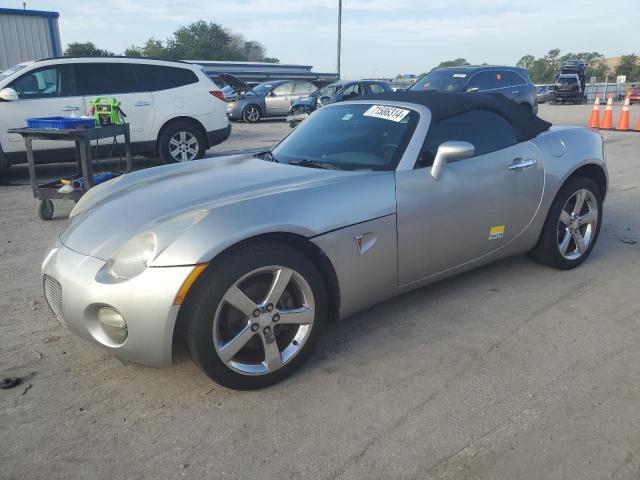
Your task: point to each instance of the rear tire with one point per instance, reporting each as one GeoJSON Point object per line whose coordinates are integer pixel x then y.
{"type": "Point", "coordinates": [181, 142]}
{"type": "Point", "coordinates": [231, 302]}
{"type": "Point", "coordinates": [572, 226]}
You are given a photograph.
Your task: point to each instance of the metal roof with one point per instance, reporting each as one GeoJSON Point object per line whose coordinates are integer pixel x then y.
{"type": "Point", "coordinates": [28, 13]}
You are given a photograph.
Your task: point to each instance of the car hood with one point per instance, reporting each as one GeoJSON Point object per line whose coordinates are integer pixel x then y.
{"type": "Point", "coordinates": [238, 85]}
{"type": "Point", "coordinates": [239, 196]}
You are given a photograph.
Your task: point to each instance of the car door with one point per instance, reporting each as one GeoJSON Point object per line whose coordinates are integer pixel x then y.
{"type": "Point", "coordinates": [519, 89]}
{"type": "Point", "coordinates": [118, 80]}
{"type": "Point", "coordinates": [42, 92]}
{"type": "Point", "coordinates": [278, 101]}
{"type": "Point", "coordinates": [478, 206]}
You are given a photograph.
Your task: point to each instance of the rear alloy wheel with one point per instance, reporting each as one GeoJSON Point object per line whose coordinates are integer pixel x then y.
{"type": "Point", "coordinates": [257, 316]}
{"type": "Point", "coordinates": [572, 226]}
{"type": "Point", "coordinates": [251, 114]}
{"type": "Point", "coordinates": [181, 142]}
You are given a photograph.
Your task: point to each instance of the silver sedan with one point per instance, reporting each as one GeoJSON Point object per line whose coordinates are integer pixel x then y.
{"type": "Point", "coordinates": [251, 255]}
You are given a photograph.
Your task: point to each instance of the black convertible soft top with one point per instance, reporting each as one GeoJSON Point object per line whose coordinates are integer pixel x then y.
{"type": "Point", "coordinates": [446, 104]}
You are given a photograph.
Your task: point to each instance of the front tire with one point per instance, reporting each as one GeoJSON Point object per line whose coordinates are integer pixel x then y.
{"type": "Point", "coordinates": [251, 114]}
{"type": "Point", "coordinates": [181, 142]}
{"type": "Point", "coordinates": [572, 226]}
{"type": "Point", "coordinates": [255, 315]}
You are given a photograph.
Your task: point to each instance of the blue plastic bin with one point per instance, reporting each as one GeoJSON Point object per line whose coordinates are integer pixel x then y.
{"type": "Point", "coordinates": [61, 123]}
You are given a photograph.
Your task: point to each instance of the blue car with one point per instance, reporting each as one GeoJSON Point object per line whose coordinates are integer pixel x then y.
{"type": "Point", "coordinates": [336, 92]}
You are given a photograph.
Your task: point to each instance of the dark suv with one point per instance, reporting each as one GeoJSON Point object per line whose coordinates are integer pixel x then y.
{"type": "Point", "coordinates": [513, 82]}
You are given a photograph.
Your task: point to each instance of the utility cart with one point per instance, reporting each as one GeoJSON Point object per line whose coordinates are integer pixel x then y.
{"type": "Point", "coordinates": [82, 137]}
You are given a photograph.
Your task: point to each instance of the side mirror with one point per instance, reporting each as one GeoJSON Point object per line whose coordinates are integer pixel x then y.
{"type": "Point", "coordinates": [8, 95]}
{"type": "Point", "coordinates": [272, 93]}
{"type": "Point", "coordinates": [450, 152]}
{"type": "Point", "coordinates": [472, 89]}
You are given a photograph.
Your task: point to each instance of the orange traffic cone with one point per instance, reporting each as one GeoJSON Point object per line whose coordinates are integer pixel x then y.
{"type": "Point", "coordinates": [623, 122]}
{"type": "Point", "coordinates": [594, 121]}
{"type": "Point", "coordinates": [607, 119]}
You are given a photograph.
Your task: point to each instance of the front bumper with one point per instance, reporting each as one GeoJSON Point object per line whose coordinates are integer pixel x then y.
{"type": "Point", "coordinates": [146, 303]}
{"type": "Point", "coordinates": [234, 112]}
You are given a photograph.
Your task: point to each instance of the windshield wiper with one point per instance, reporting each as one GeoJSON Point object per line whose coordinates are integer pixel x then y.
{"type": "Point", "coordinates": [305, 162]}
{"type": "Point", "coordinates": [266, 155]}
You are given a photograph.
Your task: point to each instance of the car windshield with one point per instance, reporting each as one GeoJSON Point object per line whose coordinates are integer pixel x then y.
{"type": "Point", "coordinates": [327, 91]}
{"type": "Point", "coordinates": [350, 137]}
{"type": "Point", "coordinates": [12, 70]}
{"type": "Point", "coordinates": [262, 88]}
{"type": "Point", "coordinates": [449, 80]}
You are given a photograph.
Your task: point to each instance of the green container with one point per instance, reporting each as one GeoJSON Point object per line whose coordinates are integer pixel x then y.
{"type": "Point", "coordinates": [106, 111]}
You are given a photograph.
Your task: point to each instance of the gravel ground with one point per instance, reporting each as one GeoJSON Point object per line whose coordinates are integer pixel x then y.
{"type": "Point", "coordinates": [512, 371]}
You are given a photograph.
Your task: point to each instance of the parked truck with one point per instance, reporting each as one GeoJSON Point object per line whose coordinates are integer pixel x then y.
{"type": "Point", "coordinates": [570, 83]}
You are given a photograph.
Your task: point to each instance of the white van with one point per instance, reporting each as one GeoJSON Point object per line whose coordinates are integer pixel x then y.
{"type": "Point", "coordinates": [174, 110]}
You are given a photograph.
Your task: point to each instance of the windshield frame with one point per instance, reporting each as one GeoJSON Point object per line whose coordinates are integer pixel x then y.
{"type": "Point", "coordinates": [18, 67]}
{"type": "Point", "coordinates": [412, 147]}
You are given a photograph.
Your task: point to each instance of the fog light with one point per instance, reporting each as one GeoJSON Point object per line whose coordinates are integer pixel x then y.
{"type": "Point", "coordinates": [113, 325]}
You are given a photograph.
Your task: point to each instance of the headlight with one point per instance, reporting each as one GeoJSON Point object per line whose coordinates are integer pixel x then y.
{"type": "Point", "coordinates": [138, 253]}
{"type": "Point", "coordinates": [133, 257]}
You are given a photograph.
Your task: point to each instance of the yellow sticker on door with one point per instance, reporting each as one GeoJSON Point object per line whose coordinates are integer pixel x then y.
{"type": "Point", "coordinates": [496, 232]}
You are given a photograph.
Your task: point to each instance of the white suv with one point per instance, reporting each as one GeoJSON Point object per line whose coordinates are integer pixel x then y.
{"type": "Point", "coordinates": [173, 108]}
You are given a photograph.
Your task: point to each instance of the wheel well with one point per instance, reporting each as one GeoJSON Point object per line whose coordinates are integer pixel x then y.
{"type": "Point", "coordinates": [309, 250]}
{"type": "Point", "coordinates": [190, 120]}
{"type": "Point", "coordinates": [306, 248]}
{"type": "Point", "coordinates": [593, 172]}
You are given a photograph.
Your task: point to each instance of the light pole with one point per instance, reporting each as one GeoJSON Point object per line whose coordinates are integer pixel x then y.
{"type": "Point", "coordinates": [339, 36]}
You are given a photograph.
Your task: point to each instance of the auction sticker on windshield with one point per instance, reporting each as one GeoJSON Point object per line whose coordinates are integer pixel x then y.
{"type": "Point", "coordinates": [387, 113]}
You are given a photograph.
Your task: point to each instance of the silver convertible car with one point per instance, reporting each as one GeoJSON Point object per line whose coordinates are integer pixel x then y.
{"type": "Point", "coordinates": [248, 257]}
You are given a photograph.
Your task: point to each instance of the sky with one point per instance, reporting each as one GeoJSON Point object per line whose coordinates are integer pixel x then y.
{"type": "Point", "coordinates": [380, 38]}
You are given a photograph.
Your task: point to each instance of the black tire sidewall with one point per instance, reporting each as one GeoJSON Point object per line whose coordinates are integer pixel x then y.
{"type": "Point", "coordinates": [207, 293]}
{"type": "Point", "coordinates": [173, 128]}
{"type": "Point", "coordinates": [547, 251]}
{"type": "Point", "coordinates": [45, 209]}
{"type": "Point", "coordinates": [244, 113]}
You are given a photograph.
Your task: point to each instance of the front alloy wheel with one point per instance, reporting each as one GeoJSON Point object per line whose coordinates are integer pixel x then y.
{"type": "Point", "coordinates": [251, 114]}
{"type": "Point", "coordinates": [264, 320]}
{"type": "Point", "coordinates": [254, 315]}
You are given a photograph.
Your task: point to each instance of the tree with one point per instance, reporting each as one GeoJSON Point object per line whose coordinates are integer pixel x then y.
{"type": "Point", "coordinates": [203, 41]}
{"type": "Point", "coordinates": [526, 62]}
{"type": "Point", "coordinates": [87, 49]}
{"type": "Point", "coordinates": [458, 62]}
{"type": "Point", "coordinates": [629, 66]}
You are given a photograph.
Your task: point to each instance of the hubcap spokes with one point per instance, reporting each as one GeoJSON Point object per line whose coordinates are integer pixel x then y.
{"type": "Point", "coordinates": [252, 114]}
{"type": "Point", "coordinates": [577, 225]}
{"type": "Point", "coordinates": [263, 320]}
{"type": "Point", "coordinates": [183, 147]}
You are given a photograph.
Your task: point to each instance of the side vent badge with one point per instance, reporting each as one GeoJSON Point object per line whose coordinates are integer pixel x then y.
{"type": "Point", "coordinates": [364, 242]}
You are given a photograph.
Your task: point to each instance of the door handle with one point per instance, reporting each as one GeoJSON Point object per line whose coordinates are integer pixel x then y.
{"type": "Point", "coordinates": [141, 104]}
{"type": "Point", "coordinates": [69, 108]}
{"type": "Point", "coordinates": [515, 92]}
{"type": "Point", "coordinates": [519, 163]}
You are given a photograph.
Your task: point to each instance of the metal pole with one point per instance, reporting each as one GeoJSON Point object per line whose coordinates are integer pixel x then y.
{"type": "Point", "coordinates": [339, 35]}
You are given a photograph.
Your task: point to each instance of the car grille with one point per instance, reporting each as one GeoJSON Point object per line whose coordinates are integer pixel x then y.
{"type": "Point", "coordinates": [53, 294]}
